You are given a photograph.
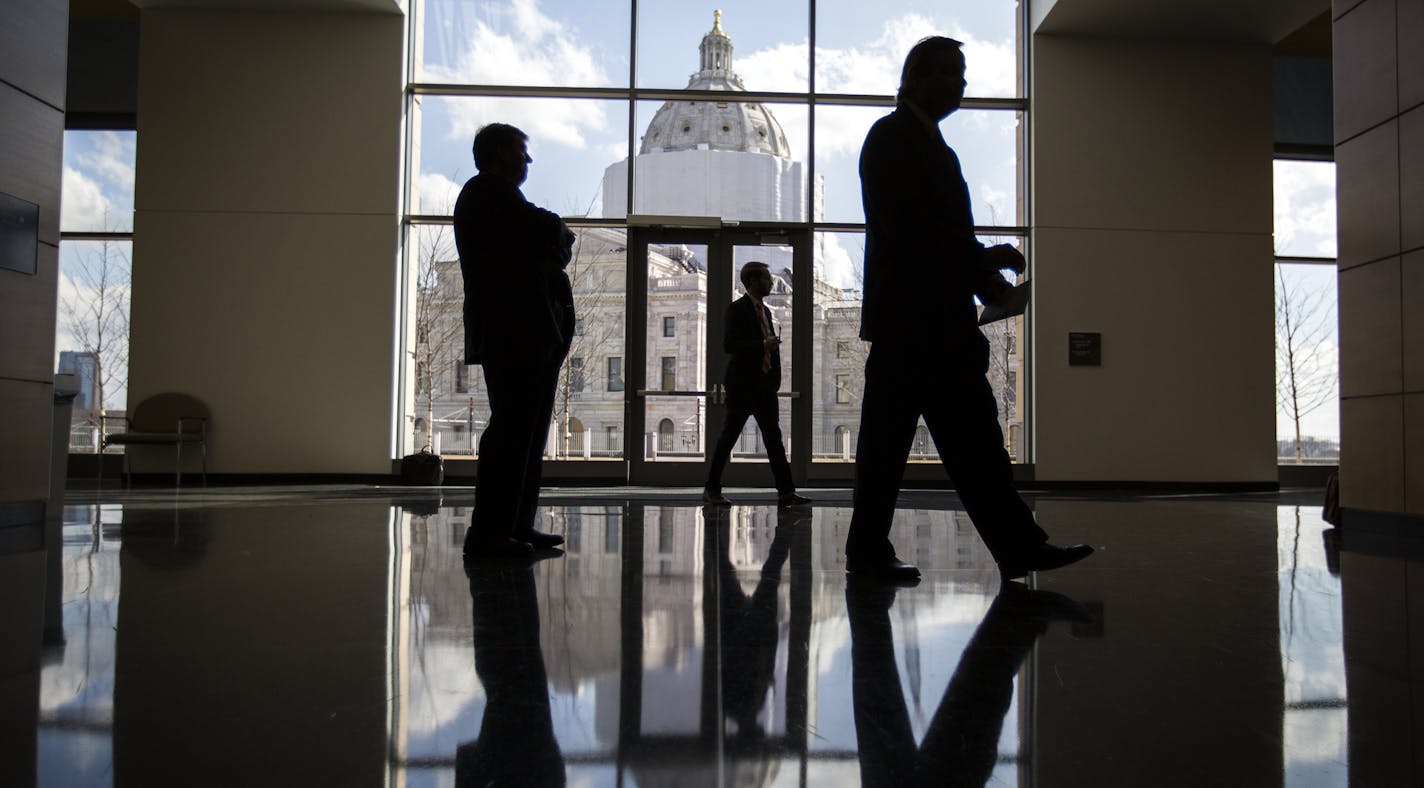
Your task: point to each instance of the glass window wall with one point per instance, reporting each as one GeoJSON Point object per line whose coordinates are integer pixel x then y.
{"type": "Point", "coordinates": [620, 118]}
{"type": "Point", "coordinates": [95, 270]}
{"type": "Point", "coordinates": [1307, 327]}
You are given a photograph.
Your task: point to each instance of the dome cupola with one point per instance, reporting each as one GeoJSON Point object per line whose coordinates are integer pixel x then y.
{"type": "Point", "coordinates": [716, 48]}
{"type": "Point", "coordinates": [744, 126]}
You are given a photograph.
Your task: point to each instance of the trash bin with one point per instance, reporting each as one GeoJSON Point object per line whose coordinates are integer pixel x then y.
{"type": "Point", "coordinates": [66, 388]}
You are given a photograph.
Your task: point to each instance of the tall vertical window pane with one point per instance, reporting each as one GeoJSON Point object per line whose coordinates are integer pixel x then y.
{"type": "Point", "coordinates": [586, 416]}
{"type": "Point", "coordinates": [572, 142]}
{"type": "Point", "coordinates": [92, 336]}
{"type": "Point", "coordinates": [450, 420]}
{"type": "Point", "coordinates": [1304, 208]}
{"type": "Point", "coordinates": [1307, 335]}
{"type": "Point", "coordinates": [92, 320]}
{"type": "Point", "coordinates": [568, 43]}
{"type": "Point", "coordinates": [861, 46]}
{"type": "Point", "coordinates": [1307, 364]}
{"type": "Point", "coordinates": [98, 181]}
{"type": "Point", "coordinates": [986, 141]}
{"type": "Point", "coordinates": [838, 364]}
{"type": "Point", "coordinates": [756, 45]}
{"type": "Point", "coordinates": [439, 406]}
{"type": "Point", "coordinates": [838, 369]}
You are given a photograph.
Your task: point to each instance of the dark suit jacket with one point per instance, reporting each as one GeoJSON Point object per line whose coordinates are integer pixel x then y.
{"type": "Point", "coordinates": [512, 257]}
{"type": "Point", "coordinates": [923, 265]}
{"type": "Point", "coordinates": [742, 340]}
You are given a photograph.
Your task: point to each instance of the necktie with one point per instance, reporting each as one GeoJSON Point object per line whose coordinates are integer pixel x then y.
{"type": "Point", "coordinates": [765, 335]}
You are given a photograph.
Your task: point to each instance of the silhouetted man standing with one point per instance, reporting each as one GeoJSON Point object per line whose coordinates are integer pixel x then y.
{"type": "Point", "coordinates": [519, 320]}
{"type": "Point", "coordinates": [923, 267]}
{"type": "Point", "coordinates": [752, 379]}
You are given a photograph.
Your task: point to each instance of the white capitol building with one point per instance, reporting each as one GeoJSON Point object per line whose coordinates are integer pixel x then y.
{"type": "Point", "coordinates": [728, 159]}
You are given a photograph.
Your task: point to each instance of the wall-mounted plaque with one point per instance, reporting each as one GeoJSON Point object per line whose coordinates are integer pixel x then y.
{"type": "Point", "coordinates": [1085, 349]}
{"type": "Point", "coordinates": [19, 234]}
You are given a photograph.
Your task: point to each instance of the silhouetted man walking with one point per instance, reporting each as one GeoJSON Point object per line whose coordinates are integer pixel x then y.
{"type": "Point", "coordinates": [752, 379]}
{"type": "Point", "coordinates": [519, 321]}
{"type": "Point", "coordinates": [923, 267]}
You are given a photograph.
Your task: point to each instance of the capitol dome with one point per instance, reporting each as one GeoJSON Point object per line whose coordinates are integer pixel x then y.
{"type": "Point", "coordinates": [742, 126]}
{"type": "Point", "coordinates": [720, 158]}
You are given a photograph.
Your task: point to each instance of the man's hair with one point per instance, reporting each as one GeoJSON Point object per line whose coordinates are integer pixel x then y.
{"type": "Point", "coordinates": [491, 139]}
{"type": "Point", "coordinates": [919, 56]}
{"type": "Point", "coordinates": [750, 270]}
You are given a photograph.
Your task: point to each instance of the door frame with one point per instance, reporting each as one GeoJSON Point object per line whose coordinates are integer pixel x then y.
{"type": "Point", "coordinates": [719, 243]}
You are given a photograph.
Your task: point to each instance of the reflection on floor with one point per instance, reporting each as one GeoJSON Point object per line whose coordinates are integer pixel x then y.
{"type": "Point", "coordinates": [336, 638]}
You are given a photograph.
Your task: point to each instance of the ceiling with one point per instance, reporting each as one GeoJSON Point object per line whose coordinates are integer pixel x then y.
{"type": "Point", "coordinates": [1227, 21]}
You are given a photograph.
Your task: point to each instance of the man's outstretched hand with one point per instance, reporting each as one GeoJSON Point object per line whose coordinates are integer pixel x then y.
{"type": "Point", "coordinates": [1001, 256]}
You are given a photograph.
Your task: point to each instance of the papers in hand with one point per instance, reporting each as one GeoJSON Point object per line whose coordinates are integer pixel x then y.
{"type": "Point", "coordinates": [1014, 303]}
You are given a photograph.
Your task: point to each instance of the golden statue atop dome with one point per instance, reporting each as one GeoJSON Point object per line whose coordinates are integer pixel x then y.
{"type": "Point", "coordinates": [717, 23]}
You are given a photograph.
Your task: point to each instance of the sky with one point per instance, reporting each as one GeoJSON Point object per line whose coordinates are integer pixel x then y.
{"type": "Point", "coordinates": [860, 47]}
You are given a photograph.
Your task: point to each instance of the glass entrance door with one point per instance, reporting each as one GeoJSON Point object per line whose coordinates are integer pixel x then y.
{"type": "Point", "coordinates": [682, 283]}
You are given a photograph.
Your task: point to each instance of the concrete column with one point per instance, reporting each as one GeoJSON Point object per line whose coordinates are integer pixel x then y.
{"type": "Point", "coordinates": [266, 227]}
{"type": "Point", "coordinates": [1152, 227]}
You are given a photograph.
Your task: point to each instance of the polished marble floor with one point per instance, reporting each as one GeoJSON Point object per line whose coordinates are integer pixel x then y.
{"type": "Point", "coordinates": [333, 636]}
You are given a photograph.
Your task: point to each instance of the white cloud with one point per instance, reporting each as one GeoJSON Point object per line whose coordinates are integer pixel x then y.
{"type": "Point", "coordinates": [112, 160]}
{"type": "Point", "coordinates": [616, 151]}
{"type": "Point", "coordinates": [834, 264]}
{"type": "Point", "coordinates": [784, 67]}
{"type": "Point", "coordinates": [1305, 208]}
{"type": "Point", "coordinates": [520, 45]}
{"type": "Point", "coordinates": [435, 193]}
{"type": "Point", "coordinates": [997, 201]}
{"type": "Point", "coordinates": [83, 205]}
{"type": "Point", "coordinates": [69, 293]}
{"type": "Point", "coordinates": [871, 68]}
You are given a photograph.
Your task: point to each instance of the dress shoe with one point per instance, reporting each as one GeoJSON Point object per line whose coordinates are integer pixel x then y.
{"type": "Point", "coordinates": [497, 549]}
{"type": "Point", "coordinates": [792, 499]}
{"type": "Point", "coordinates": [714, 499]}
{"type": "Point", "coordinates": [887, 568]}
{"type": "Point", "coordinates": [1042, 558]}
{"type": "Point", "coordinates": [539, 539]}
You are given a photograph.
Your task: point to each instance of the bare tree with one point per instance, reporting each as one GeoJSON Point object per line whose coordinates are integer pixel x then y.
{"type": "Point", "coordinates": [96, 314]}
{"type": "Point", "coordinates": [439, 325]}
{"type": "Point", "coordinates": [1306, 372]}
{"type": "Point", "coordinates": [599, 306]}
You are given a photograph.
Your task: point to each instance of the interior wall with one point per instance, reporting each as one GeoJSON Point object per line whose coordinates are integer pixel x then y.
{"type": "Point", "coordinates": [265, 233]}
{"type": "Point", "coordinates": [1152, 192]}
{"type": "Point", "coordinates": [33, 39]}
{"type": "Point", "coordinates": [1379, 154]}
